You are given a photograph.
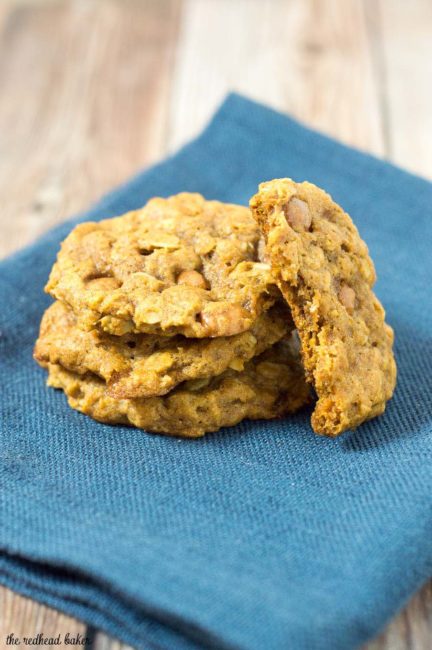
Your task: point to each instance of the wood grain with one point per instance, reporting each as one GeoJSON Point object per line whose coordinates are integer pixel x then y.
{"type": "Point", "coordinates": [406, 32]}
{"type": "Point", "coordinates": [309, 58]}
{"type": "Point", "coordinates": [92, 90]}
{"type": "Point", "coordinates": [412, 629]}
{"type": "Point", "coordinates": [104, 642]}
{"type": "Point", "coordinates": [84, 96]}
{"type": "Point", "coordinates": [23, 617]}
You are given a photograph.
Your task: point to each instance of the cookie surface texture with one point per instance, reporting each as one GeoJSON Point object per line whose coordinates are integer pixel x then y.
{"type": "Point", "coordinates": [270, 386]}
{"type": "Point", "coordinates": [146, 365]}
{"type": "Point", "coordinates": [181, 265]}
{"type": "Point", "coordinates": [324, 271]}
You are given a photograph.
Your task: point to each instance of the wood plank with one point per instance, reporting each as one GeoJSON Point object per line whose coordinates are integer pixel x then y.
{"type": "Point", "coordinates": [412, 629]}
{"type": "Point", "coordinates": [406, 32]}
{"type": "Point", "coordinates": [104, 642]}
{"type": "Point", "coordinates": [309, 58]}
{"type": "Point", "coordinates": [23, 617]}
{"type": "Point", "coordinates": [89, 81]}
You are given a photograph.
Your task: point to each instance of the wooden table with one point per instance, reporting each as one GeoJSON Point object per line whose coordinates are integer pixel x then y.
{"type": "Point", "coordinates": [93, 90]}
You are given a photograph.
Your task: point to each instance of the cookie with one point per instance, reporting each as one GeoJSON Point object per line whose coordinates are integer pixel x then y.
{"type": "Point", "coordinates": [181, 265]}
{"type": "Point", "coordinates": [270, 386]}
{"type": "Point", "coordinates": [145, 365]}
{"type": "Point", "coordinates": [324, 271]}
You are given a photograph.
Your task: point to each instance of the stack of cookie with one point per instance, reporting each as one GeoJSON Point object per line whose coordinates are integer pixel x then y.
{"type": "Point", "coordinates": [167, 318]}
{"type": "Point", "coordinates": [179, 319]}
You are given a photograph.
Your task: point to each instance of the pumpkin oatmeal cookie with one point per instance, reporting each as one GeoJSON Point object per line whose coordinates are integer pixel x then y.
{"type": "Point", "coordinates": [324, 271]}
{"type": "Point", "coordinates": [181, 265]}
{"type": "Point", "coordinates": [269, 386]}
{"type": "Point", "coordinates": [145, 365]}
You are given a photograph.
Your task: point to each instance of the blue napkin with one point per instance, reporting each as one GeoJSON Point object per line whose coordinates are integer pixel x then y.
{"type": "Point", "coordinates": [260, 536]}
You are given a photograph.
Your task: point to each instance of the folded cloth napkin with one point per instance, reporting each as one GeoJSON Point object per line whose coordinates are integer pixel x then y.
{"type": "Point", "coordinates": [260, 536]}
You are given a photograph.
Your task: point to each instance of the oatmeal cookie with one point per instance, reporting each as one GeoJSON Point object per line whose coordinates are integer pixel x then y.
{"type": "Point", "coordinates": [146, 365]}
{"type": "Point", "coordinates": [323, 269]}
{"type": "Point", "coordinates": [270, 386]}
{"type": "Point", "coordinates": [181, 265]}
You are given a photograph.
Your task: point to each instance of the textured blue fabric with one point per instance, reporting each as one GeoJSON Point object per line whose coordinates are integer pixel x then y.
{"type": "Point", "coordinates": [260, 536]}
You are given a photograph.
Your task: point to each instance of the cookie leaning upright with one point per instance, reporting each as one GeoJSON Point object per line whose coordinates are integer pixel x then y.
{"type": "Point", "coordinates": [324, 271]}
{"type": "Point", "coordinates": [181, 265]}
